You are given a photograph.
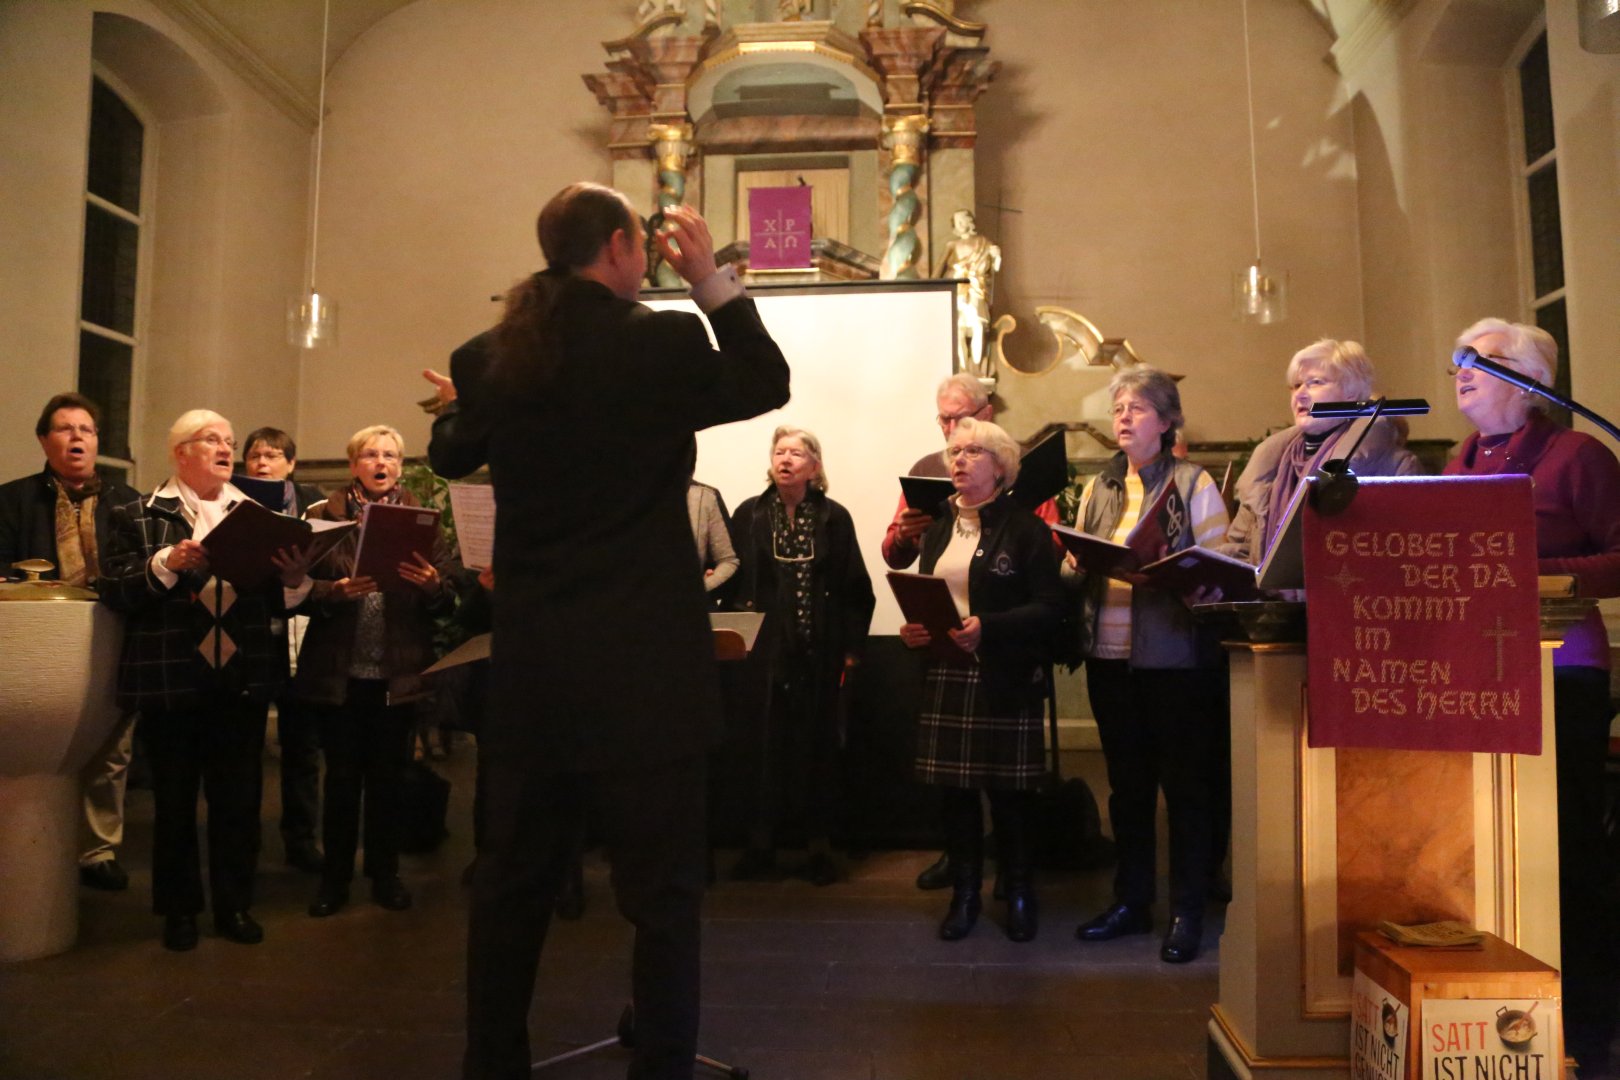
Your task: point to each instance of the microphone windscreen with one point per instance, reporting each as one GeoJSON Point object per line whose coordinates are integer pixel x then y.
{"type": "Point", "coordinates": [1464, 357]}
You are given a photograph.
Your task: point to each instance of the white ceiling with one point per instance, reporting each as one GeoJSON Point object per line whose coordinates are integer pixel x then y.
{"type": "Point", "coordinates": [286, 34]}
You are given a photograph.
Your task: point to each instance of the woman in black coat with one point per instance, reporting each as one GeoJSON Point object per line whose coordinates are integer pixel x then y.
{"type": "Point", "coordinates": [802, 565]}
{"type": "Point", "coordinates": [360, 670]}
{"type": "Point", "coordinates": [980, 729]}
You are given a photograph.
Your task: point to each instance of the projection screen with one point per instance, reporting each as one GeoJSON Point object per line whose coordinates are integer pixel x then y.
{"type": "Point", "coordinates": [866, 359]}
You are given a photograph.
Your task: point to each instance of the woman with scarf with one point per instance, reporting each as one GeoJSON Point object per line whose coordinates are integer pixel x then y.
{"type": "Point", "coordinates": [1153, 679]}
{"type": "Point", "coordinates": [1577, 504]}
{"type": "Point", "coordinates": [359, 667]}
{"type": "Point", "coordinates": [802, 565]}
{"type": "Point", "coordinates": [980, 729]}
{"type": "Point", "coordinates": [1325, 371]}
{"type": "Point", "coordinates": [200, 662]}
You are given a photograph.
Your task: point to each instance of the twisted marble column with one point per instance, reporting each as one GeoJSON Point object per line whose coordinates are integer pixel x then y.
{"type": "Point", "coordinates": [904, 136]}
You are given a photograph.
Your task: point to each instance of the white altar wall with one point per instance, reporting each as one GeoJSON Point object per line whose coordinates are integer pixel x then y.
{"type": "Point", "coordinates": [866, 360]}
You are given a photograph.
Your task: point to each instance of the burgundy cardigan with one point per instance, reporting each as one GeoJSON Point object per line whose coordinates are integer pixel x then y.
{"type": "Point", "coordinates": [1577, 503]}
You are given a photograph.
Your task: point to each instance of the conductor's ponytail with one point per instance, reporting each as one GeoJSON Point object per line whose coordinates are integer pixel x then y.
{"type": "Point", "coordinates": [573, 228]}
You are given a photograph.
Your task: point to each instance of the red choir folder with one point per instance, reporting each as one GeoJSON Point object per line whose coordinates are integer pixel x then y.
{"type": "Point", "coordinates": [926, 599]}
{"type": "Point", "coordinates": [240, 546]}
{"type": "Point", "coordinates": [1145, 544]}
{"type": "Point", "coordinates": [390, 535]}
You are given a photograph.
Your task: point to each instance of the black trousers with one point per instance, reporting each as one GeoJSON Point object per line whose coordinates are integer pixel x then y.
{"type": "Point", "coordinates": [652, 820]}
{"type": "Point", "coordinates": [216, 746]}
{"type": "Point", "coordinates": [1011, 815]}
{"type": "Point", "coordinates": [800, 776]}
{"type": "Point", "coordinates": [297, 730]}
{"type": "Point", "coordinates": [1581, 721]}
{"type": "Point", "coordinates": [1158, 729]}
{"type": "Point", "coordinates": [368, 745]}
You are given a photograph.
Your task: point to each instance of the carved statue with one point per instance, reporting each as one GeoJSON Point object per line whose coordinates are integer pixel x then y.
{"type": "Point", "coordinates": [793, 10]}
{"type": "Point", "coordinates": [972, 257]}
{"type": "Point", "coordinates": [648, 10]}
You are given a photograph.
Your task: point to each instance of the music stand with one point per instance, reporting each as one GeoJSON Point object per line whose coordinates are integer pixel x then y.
{"type": "Point", "coordinates": [734, 636]}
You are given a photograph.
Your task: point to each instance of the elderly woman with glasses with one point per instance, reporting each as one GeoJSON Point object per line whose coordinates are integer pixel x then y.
{"type": "Point", "coordinates": [802, 565]}
{"type": "Point", "coordinates": [360, 667]}
{"type": "Point", "coordinates": [201, 663]}
{"type": "Point", "coordinates": [980, 728]}
{"type": "Point", "coordinates": [1327, 370]}
{"type": "Point", "coordinates": [1153, 679]}
{"type": "Point", "coordinates": [1577, 504]}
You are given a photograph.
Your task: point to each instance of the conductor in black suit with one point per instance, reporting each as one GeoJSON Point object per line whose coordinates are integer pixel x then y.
{"type": "Point", "coordinates": [605, 687]}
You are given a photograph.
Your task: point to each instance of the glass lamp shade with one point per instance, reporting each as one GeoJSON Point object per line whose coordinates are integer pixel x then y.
{"type": "Point", "coordinates": [1600, 26]}
{"type": "Point", "coordinates": [312, 321]}
{"type": "Point", "coordinates": [1260, 297]}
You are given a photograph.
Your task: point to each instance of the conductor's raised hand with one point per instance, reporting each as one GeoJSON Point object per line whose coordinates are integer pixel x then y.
{"type": "Point", "coordinates": [685, 243]}
{"type": "Point", "coordinates": [443, 388]}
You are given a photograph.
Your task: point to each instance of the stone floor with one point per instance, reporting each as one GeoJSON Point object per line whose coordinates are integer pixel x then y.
{"type": "Point", "coordinates": [800, 983]}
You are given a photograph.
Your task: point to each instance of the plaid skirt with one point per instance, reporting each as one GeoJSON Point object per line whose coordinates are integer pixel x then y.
{"type": "Point", "coordinates": [962, 742]}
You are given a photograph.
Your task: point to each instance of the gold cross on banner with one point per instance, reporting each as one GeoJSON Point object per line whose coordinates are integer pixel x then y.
{"type": "Point", "coordinates": [1499, 632]}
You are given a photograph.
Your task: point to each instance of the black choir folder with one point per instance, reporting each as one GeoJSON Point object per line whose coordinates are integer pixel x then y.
{"type": "Point", "coordinates": [241, 545]}
{"type": "Point", "coordinates": [1043, 471]}
{"type": "Point", "coordinates": [926, 599]}
{"type": "Point", "coordinates": [390, 535]}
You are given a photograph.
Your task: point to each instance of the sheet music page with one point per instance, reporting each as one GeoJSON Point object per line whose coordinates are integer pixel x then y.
{"type": "Point", "coordinates": [474, 508]}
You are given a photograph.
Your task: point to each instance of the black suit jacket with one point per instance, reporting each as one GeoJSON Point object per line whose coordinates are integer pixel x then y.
{"type": "Point", "coordinates": [602, 651]}
{"type": "Point", "coordinates": [28, 519]}
{"type": "Point", "coordinates": [453, 450]}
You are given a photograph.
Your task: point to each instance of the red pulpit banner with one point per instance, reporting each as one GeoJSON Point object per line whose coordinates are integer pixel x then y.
{"type": "Point", "coordinates": [779, 228]}
{"type": "Point", "coordinates": [1424, 626]}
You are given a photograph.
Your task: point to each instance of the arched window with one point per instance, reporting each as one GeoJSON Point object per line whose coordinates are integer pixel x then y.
{"type": "Point", "coordinates": [1543, 229]}
{"type": "Point", "coordinates": [109, 309]}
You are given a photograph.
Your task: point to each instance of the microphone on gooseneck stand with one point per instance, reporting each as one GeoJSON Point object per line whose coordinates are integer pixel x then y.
{"type": "Point", "coordinates": [1336, 483]}
{"type": "Point", "coordinates": [1467, 357]}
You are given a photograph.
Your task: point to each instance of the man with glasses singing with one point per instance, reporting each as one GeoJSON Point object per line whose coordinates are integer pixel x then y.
{"type": "Point", "coordinates": [60, 514]}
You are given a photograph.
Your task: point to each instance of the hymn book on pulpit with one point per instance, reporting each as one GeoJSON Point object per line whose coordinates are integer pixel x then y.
{"type": "Point", "coordinates": [241, 546]}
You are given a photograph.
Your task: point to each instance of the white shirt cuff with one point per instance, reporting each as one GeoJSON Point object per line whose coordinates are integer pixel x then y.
{"type": "Point", "coordinates": [718, 289]}
{"type": "Point", "coordinates": [167, 577]}
{"type": "Point", "coordinates": [293, 597]}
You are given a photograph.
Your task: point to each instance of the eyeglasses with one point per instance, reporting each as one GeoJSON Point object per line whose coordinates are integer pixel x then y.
{"type": "Point", "coordinates": [1135, 408]}
{"type": "Point", "coordinates": [378, 455]}
{"type": "Point", "coordinates": [86, 431]}
{"type": "Point", "coordinates": [266, 453]}
{"type": "Point", "coordinates": [970, 451]}
{"type": "Point", "coordinates": [776, 551]}
{"type": "Point", "coordinates": [212, 441]}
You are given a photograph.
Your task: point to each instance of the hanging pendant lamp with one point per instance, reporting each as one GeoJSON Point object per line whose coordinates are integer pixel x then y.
{"type": "Point", "coordinates": [1258, 295]}
{"type": "Point", "coordinates": [312, 319]}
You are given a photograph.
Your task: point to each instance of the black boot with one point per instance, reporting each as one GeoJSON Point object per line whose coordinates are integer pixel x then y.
{"type": "Point", "coordinates": [1021, 918]}
{"type": "Point", "coordinates": [965, 904]}
{"type": "Point", "coordinates": [1014, 862]}
{"type": "Point", "coordinates": [938, 874]}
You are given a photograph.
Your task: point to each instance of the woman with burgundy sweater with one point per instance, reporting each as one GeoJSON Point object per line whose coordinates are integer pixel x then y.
{"type": "Point", "coordinates": [1577, 504]}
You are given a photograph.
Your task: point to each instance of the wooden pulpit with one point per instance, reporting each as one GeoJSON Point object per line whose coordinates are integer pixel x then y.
{"type": "Point", "coordinates": [1338, 822]}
